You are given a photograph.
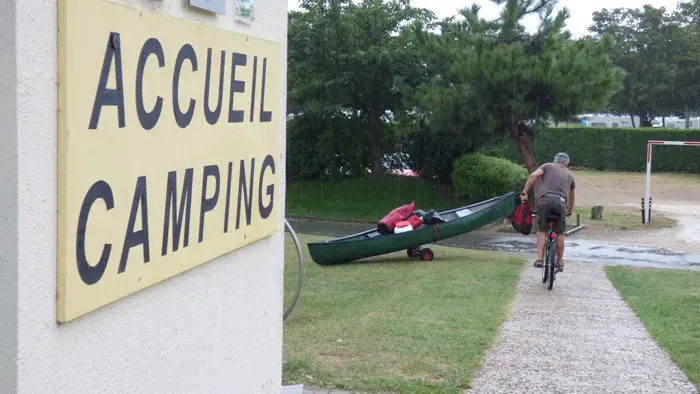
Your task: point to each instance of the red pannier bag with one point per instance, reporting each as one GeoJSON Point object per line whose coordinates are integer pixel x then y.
{"type": "Point", "coordinates": [521, 219]}
{"type": "Point", "coordinates": [388, 222]}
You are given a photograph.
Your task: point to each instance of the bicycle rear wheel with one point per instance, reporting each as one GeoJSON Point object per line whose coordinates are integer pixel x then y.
{"type": "Point", "coordinates": [545, 271]}
{"type": "Point", "coordinates": [551, 263]}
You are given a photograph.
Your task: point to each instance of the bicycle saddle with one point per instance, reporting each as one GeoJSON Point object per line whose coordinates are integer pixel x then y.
{"type": "Point", "coordinates": [553, 216]}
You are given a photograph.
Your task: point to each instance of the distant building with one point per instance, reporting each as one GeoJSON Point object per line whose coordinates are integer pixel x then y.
{"type": "Point", "coordinates": [603, 120]}
{"type": "Point", "coordinates": [677, 123]}
{"type": "Point", "coordinates": [615, 121]}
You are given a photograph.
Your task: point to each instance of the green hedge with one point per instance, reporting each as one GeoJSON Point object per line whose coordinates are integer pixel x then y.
{"type": "Point", "coordinates": [609, 149]}
{"type": "Point", "coordinates": [478, 177]}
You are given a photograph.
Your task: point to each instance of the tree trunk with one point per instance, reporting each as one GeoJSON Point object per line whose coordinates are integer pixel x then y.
{"type": "Point", "coordinates": [526, 155]}
{"type": "Point", "coordinates": [687, 118]}
{"type": "Point", "coordinates": [375, 143]}
{"type": "Point", "coordinates": [632, 118]}
{"type": "Point", "coordinates": [663, 121]}
{"type": "Point", "coordinates": [377, 168]}
{"type": "Point", "coordinates": [644, 120]}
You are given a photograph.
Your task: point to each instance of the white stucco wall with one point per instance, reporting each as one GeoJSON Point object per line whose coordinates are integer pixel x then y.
{"type": "Point", "coordinates": [8, 200]}
{"type": "Point", "coordinates": [214, 329]}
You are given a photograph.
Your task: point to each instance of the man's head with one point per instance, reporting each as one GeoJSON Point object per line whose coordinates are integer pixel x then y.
{"type": "Point", "coordinates": [562, 158]}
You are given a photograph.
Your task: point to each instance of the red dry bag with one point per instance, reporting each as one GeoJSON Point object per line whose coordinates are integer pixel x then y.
{"type": "Point", "coordinates": [522, 218]}
{"type": "Point", "coordinates": [388, 222]}
{"type": "Point", "coordinates": [414, 221]}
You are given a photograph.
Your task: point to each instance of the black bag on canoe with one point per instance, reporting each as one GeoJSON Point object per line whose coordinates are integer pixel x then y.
{"type": "Point", "coordinates": [432, 218]}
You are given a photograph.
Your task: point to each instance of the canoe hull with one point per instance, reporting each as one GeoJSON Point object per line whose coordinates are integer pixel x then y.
{"type": "Point", "coordinates": [359, 246]}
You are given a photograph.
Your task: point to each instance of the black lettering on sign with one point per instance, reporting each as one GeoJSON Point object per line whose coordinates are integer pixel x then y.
{"type": "Point", "coordinates": [213, 116]}
{"type": "Point", "coordinates": [265, 116]}
{"type": "Point", "coordinates": [237, 59]}
{"type": "Point", "coordinates": [208, 204]}
{"type": "Point", "coordinates": [228, 196]}
{"type": "Point", "coordinates": [147, 119]}
{"type": "Point", "coordinates": [133, 238]}
{"type": "Point", "coordinates": [265, 210]}
{"type": "Point", "coordinates": [245, 191]}
{"type": "Point", "coordinates": [183, 119]}
{"type": "Point", "coordinates": [104, 96]}
{"type": "Point", "coordinates": [252, 90]}
{"type": "Point", "coordinates": [183, 211]}
{"type": "Point", "coordinates": [89, 274]}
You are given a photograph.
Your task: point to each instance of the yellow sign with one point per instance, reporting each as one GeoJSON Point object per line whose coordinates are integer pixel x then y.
{"type": "Point", "coordinates": [169, 148]}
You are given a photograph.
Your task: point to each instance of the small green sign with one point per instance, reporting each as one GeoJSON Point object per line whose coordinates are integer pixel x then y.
{"type": "Point", "coordinates": [244, 10]}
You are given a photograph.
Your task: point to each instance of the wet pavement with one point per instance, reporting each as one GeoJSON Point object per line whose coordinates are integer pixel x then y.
{"type": "Point", "coordinates": [585, 250]}
{"type": "Point", "coordinates": [577, 249]}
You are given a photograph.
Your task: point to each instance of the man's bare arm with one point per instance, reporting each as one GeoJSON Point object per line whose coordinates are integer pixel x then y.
{"type": "Point", "coordinates": [531, 179]}
{"type": "Point", "coordinates": [572, 197]}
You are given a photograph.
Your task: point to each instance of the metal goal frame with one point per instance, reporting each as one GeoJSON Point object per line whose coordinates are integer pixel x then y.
{"type": "Point", "coordinates": [646, 201]}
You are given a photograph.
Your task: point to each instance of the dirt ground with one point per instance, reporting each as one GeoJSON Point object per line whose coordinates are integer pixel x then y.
{"type": "Point", "coordinates": [673, 195]}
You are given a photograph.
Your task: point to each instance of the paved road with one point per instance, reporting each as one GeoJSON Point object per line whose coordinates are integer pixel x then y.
{"type": "Point", "coordinates": [580, 337]}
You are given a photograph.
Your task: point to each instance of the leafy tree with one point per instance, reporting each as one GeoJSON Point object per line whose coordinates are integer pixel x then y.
{"type": "Point", "coordinates": [649, 47]}
{"type": "Point", "coordinates": [344, 57]}
{"type": "Point", "coordinates": [686, 45]}
{"type": "Point", "coordinates": [492, 78]}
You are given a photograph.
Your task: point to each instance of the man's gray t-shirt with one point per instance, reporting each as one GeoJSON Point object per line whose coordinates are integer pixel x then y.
{"type": "Point", "coordinates": [556, 181]}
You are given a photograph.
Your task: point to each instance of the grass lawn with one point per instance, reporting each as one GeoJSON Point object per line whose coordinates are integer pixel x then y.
{"type": "Point", "coordinates": [394, 324]}
{"type": "Point", "coordinates": [371, 199]}
{"type": "Point", "coordinates": [613, 219]}
{"type": "Point", "coordinates": [621, 219]}
{"type": "Point", "coordinates": [668, 303]}
{"type": "Point", "coordinates": [677, 176]}
{"type": "Point", "coordinates": [362, 199]}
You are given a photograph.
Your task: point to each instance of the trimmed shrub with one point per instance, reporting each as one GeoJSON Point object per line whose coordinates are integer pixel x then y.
{"type": "Point", "coordinates": [478, 177]}
{"type": "Point", "coordinates": [609, 149]}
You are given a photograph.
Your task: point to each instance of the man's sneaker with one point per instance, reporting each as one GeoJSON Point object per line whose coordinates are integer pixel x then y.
{"type": "Point", "coordinates": [539, 263]}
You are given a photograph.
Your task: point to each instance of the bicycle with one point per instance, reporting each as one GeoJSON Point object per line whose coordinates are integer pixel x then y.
{"type": "Point", "coordinates": [549, 266]}
{"type": "Point", "coordinates": [549, 269]}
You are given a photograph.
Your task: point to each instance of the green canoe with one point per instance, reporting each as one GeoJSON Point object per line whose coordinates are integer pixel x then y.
{"type": "Point", "coordinates": [371, 243]}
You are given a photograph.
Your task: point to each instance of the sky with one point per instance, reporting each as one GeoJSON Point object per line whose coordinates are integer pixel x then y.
{"type": "Point", "coordinates": [580, 11]}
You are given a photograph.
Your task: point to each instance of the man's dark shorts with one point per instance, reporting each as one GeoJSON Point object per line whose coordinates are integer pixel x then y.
{"type": "Point", "coordinates": [555, 206]}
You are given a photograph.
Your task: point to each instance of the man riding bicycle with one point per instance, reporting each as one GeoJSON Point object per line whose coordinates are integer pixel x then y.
{"type": "Point", "coordinates": [555, 196]}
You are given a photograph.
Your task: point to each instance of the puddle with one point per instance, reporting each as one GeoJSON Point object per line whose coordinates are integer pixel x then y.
{"type": "Point", "coordinates": [593, 251]}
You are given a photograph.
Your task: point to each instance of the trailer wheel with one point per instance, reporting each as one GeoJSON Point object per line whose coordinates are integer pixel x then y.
{"type": "Point", "coordinates": [414, 252]}
{"type": "Point", "coordinates": [426, 254]}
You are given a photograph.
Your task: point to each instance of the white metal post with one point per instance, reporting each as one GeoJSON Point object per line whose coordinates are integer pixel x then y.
{"type": "Point", "coordinates": [647, 207]}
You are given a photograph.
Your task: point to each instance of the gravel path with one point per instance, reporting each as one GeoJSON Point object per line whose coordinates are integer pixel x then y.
{"type": "Point", "coordinates": [580, 337]}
